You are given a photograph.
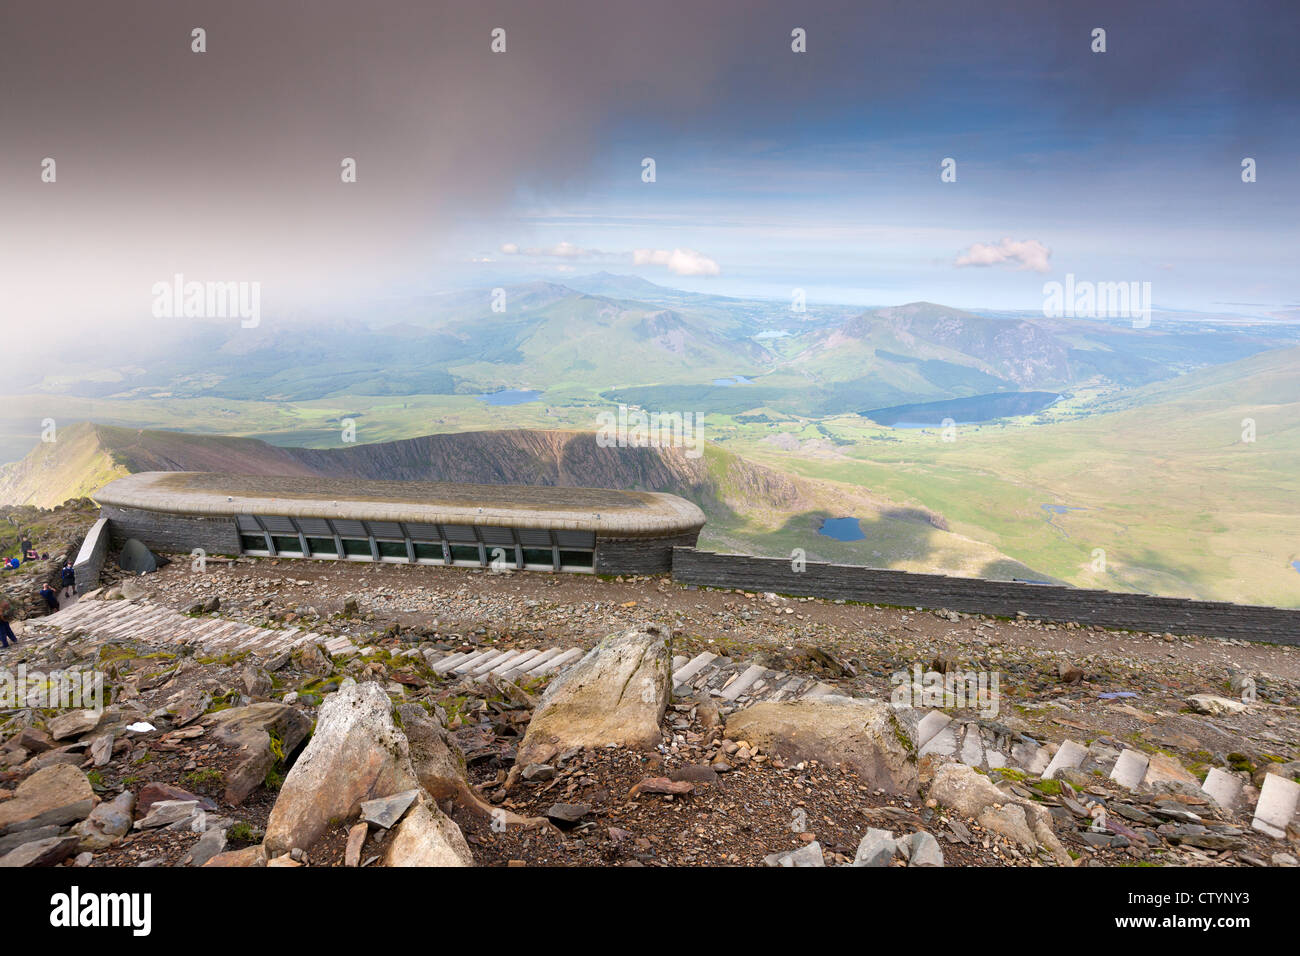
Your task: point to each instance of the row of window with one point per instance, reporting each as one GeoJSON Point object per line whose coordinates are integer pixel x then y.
{"type": "Point", "coordinates": [437, 552]}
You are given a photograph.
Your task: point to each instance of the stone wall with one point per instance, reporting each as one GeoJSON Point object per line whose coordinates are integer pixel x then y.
{"type": "Point", "coordinates": [1139, 612]}
{"type": "Point", "coordinates": [177, 534]}
{"type": "Point", "coordinates": [640, 555]}
{"type": "Point", "coordinates": [90, 558]}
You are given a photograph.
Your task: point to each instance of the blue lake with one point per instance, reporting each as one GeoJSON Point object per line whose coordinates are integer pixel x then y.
{"type": "Point", "coordinates": [842, 529]}
{"type": "Point", "coordinates": [963, 411]}
{"type": "Point", "coordinates": [738, 380]}
{"type": "Point", "coordinates": [1296, 565]}
{"type": "Point", "coordinates": [1060, 509]}
{"type": "Point", "coordinates": [511, 396]}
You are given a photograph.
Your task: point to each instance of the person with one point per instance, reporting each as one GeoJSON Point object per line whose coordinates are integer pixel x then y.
{"type": "Point", "coordinates": [69, 577]}
{"type": "Point", "coordinates": [51, 598]}
{"type": "Point", "coordinates": [28, 550]}
{"type": "Point", "coordinates": [6, 632]}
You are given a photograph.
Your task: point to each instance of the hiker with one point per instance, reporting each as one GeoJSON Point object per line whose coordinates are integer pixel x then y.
{"type": "Point", "coordinates": [29, 552]}
{"type": "Point", "coordinates": [51, 598]}
{"type": "Point", "coordinates": [69, 577]}
{"type": "Point", "coordinates": [6, 632]}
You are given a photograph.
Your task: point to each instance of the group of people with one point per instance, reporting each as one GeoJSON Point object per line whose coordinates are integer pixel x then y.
{"type": "Point", "coordinates": [68, 588]}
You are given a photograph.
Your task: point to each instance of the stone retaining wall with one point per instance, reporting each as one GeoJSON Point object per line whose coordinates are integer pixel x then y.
{"type": "Point", "coordinates": [1139, 612]}
{"type": "Point", "coordinates": [174, 533]}
{"type": "Point", "coordinates": [90, 557]}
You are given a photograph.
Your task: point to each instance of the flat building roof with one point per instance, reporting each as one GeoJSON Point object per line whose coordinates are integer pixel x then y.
{"type": "Point", "coordinates": [604, 511]}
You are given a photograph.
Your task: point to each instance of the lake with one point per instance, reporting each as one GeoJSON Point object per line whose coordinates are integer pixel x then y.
{"type": "Point", "coordinates": [963, 411]}
{"type": "Point", "coordinates": [511, 396]}
{"type": "Point", "coordinates": [842, 529]}
{"type": "Point", "coordinates": [738, 380]}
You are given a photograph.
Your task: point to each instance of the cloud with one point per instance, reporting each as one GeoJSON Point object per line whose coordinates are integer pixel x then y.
{"type": "Point", "coordinates": [683, 262]}
{"type": "Point", "coordinates": [561, 250]}
{"type": "Point", "coordinates": [1026, 254]}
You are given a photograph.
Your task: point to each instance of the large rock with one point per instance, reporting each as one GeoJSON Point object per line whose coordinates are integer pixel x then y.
{"type": "Point", "coordinates": [75, 723]}
{"type": "Point", "coordinates": [427, 837]}
{"type": "Point", "coordinates": [863, 734]}
{"type": "Point", "coordinates": [616, 694]}
{"type": "Point", "coordinates": [107, 823]}
{"type": "Point", "coordinates": [438, 763]}
{"type": "Point", "coordinates": [251, 731]}
{"type": "Point", "coordinates": [56, 795]}
{"type": "Point", "coordinates": [356, 754]}
{"type": "Point", "coordinates": [49, 852]}
{"type": "Point", "coordinates": [974, 795]}
{"type": "Point", "coordinates": [136, 558]}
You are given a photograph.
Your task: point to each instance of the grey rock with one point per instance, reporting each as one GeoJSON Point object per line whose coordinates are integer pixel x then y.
{"type": "Point", "coordinates": [48, 852]}
{"type": "Point", "coordinates": [810, 855]}
{"type": "Point", "coordinates": [384, 812]}
{"type": "Point", "coordinates": [166, 812]}
{"type": "Point", "coordinates": [209, 845]}
{"type": "Point", "coordinates": [107, 823]}
{"type": "Point", "coordinates": [876, 848]}
{"type": "Point", "coordinates": [925, 850]}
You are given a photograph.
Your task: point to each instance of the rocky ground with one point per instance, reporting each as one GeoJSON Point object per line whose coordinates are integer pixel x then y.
{"type": "Point", "coordinates": [230, 754]}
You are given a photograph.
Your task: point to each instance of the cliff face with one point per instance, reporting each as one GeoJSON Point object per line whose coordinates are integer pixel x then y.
{"type": "Point", "coordinates": [86, 456]}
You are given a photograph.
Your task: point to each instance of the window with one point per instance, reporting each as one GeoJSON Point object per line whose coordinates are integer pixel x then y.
{"type": "Point", "coordinates": [353, 548]}
{"type": "Point", "coordinates": [465, 552]}
{"type": "Point", "coordinates": [428, 552]}
{"type": "Point", "coordinates": [392, 549]}
{"type": "Point", "coordinates": [577, 559]}
{"type": "Point", "coordinates": [287, 545]}
{"type": "Point", "coordinates": [539, 557]}
{"type": "Point", "coordinates": [322, 546]}
{"type": "Point", "coordinates": [252, 542]}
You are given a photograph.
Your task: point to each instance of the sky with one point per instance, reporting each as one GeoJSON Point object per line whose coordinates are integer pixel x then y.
{"type": "Point", "coordinates": [774, 169]}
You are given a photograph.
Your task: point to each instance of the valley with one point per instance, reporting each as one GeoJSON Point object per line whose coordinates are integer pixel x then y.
{"type": "Point", "coordinates": [1118, 463]}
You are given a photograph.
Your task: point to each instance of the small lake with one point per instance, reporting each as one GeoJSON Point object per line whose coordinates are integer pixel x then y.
{"type": "Point", "coordinates": [842, 529]}
{"type": "Point", "coordinates": [773, 334]}
{"type": "Point", "coordinates": [1296, 565]}
{"type": "Point", "coordinates": [1060, 509]}
{"type": "Point", "coordinates": [963, 411]}
{"type": "Point", "coordinates": [510, 396]}
{"type": "Point", "coordinates": [738, 380]}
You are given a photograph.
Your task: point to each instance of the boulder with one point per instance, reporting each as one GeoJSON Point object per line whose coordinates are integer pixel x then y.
{"type": "Point", "coordinates": [876, 848]}
{"type": "Point", "coordinates": [970, 793]}
{"type": "Point", "coordinates": [74, 723]}
{"type": "Point", "coordinates": [209, 845]}
{"type": "Point", "coordinates": [248, 856]}
{"type": "Point", "coordinates": [439, 766]}
{"type": "Point", "coordinates": [156, 791]}
{"type": "Point", "coordinates": [923, 850]}
{"type": "Point", "coordinates": [427, 837]}
{"type": "Point", "coordinates": [810, 855]}
{"type": "Point", "coordinates": [263, 733]}
{"type": "Point", "coordinates": [1214, 705]}
{"type": "Point", "coordinates": [107, 823]}
{"type": "Point", "coordinates": [135, 558]}
{"type": "Point", "coordinates": [863, 734]}
{"type": "Point", "coordinates": [48, 852]}
{"type": "Point", "coordinates": [52, 796]}
{"type": "Point", "coordinates": [616, 694]}
{"type": "Point", "coordinates": [356, 754]}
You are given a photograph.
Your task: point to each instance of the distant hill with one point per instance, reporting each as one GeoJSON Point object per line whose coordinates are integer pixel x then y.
{"type": "Point", "coordinates": [750, 507]}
